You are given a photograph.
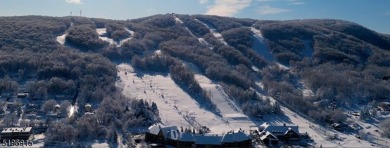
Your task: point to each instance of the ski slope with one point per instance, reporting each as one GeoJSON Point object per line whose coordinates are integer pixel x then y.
{"type": "Point", "coordinates": [260, 45]}
{"type": "Point", "coordinates": [214, 31]}
{"type": "Point", "coordinates": [176, 107]}
{"type": "Point", "coordinates": [231, 113]}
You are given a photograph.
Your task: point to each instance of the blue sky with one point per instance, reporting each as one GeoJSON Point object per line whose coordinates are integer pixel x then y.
{"type": "Point", "coordinates": [374, 14]}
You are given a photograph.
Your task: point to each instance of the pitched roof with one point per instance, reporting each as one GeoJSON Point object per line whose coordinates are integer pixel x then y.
{"type": "Point", "coordinates": [268, 135]}
{"type": "Point", "coordinates": [155, 129]}
{"type": "Point", "coordinates": [280, 129]}
{"type": "Point", "coordinates": [234, 137]}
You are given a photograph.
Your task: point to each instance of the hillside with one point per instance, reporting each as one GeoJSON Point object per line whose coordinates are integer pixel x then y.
{"type": "Point", "coordinates": [197, 70]}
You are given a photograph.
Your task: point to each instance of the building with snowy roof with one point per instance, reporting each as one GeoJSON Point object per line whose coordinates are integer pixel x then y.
{"type": "Point", "coordinates": [170, 135]}
{"type": "Point", "coordinates": [283, 133]}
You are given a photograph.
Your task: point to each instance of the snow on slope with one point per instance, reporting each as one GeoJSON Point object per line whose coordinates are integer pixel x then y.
{"type": "Point", "coordinates": [103, 36]}
{"type": "Point", "coordinates": [61, 38]}
{"type": "Point", "coordinates": [177, 19]}
{"type": "Point", "coordinates": [201, 40]}
{"type": "Point", "coordinates": [260, 45]}
{"type": "Point", "coordinates": [214, 32]}
{"type": "Point", "coordinates": [176, 107]}
{"type": "Point", "coordinates": [230, 112]}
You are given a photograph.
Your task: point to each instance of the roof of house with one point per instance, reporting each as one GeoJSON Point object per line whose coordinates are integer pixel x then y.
{"type": "Point", "coordinates": [235, 137]}
{"type": "Point", "coordinates": [280, 129]}
{"type": "Point", "coordinates": [208, 140]}
{"type": "Point", "coordinates": [155, 129]}
{"type": "Point", "coordinates": [268, 135]}
{"type": "Point", "coordinates": [16, 129]}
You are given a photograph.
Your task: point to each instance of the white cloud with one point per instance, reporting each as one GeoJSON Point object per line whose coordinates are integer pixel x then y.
{"type": "Point", "coordinates": [73, 1]}
{"type": "Point", "coordinates": [228, 7]}
{"type": "Point", "coordinates": [266, 10]}
{"type": "Point", "coordinates": [203, 1]}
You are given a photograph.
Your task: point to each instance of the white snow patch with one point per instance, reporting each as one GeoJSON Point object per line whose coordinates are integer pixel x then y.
{"type": "Point", "coordinates": [177, 19]}
{"type": "Point", "coordinates": [61, 38]}
{"type": "Point", "coordinates": [72, 109]}
{"type": "Point", "coordinates": [204, 42]}
{"type": "Point", "coordinates": [255, 68]}
{"type": "Point", "coordinates": [260, 45]}
{"type": "Point", "coordinates": [214, 32]}
{"type": "Point", "coordinates": [307, 92]}
{"type": "Point", "coordinates": [260, 84]}
{"type": "Point", "coordinates": [99, 145]}
{"type": "Point", "coordinates": [103, 36]}
{"type": "Point", "coordinates": [157, 52]}
{"type": "Point", "coordinates": [281, 66]}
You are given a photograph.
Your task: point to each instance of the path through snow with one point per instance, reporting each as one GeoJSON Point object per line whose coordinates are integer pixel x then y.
{"type": "Point", "coordinates": [214, 32]}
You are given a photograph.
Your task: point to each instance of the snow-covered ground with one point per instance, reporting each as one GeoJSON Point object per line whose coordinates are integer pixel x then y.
{"type": "Point", "coordinates": [214, 32]}
{"type": "Point", "coordinates": [61, 39]}
{"type": "Point", "coordinates": [176, 107]}
{"type": "Point", "coordinates": [260, 45]}
{"type": "Point", "coordinates": [231, 113]}
{"type": "Point", "coordinates": [103, 36]}
{"type": "Point", "coordinates": [72, 110]}
{"type": "Point", "coordinates": [177, 19]}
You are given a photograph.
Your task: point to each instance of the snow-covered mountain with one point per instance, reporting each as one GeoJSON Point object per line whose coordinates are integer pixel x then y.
{"type": "Point", "coordinates": [220, 73]}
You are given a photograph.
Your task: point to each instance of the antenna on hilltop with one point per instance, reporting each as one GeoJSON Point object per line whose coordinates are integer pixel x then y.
{"type": "Point", "coordinates": [81, 12]}
{"type": "Point", "coordinates": [70, 13]}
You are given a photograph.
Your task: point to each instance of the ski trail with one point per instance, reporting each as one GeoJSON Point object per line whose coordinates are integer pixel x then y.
{"type": "Point", "coordinates": [214, 32]}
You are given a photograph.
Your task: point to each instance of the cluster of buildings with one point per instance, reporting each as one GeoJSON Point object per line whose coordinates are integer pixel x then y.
{"type": "Point", "coordinates": [172, 136]}
{"type": "Point", "coordinates": [268, 135]}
